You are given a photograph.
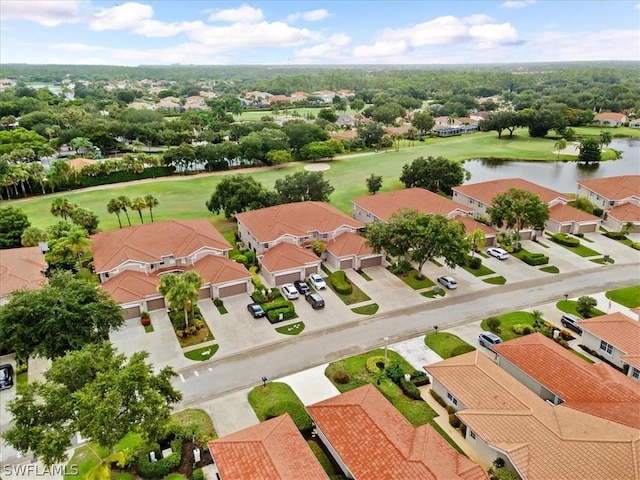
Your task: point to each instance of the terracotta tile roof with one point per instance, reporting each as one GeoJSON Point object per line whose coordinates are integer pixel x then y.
{"type": "Point", "coordinates": [215, 270]}
{"type": "Point", "coordinates": [616, 329]}
{"type": "Point", "coordinates": [349, 244]}
{"type": "Point", "coordinates": [346, 135]}
{"type": "Point", "coordinates": [618, 117]}
{"type": "Point", "coordinates": [78, 163]}
{"type": "Point", "coordinates": [486, 191]}
{"type": "Point", "coordinates": [131, 286]}
{"type": "Point", "coordinates": [271, 450]}
{"type": "Point", "coordinates": [544, 442]}
{"type": "Point", "coordinates": [626, 212]}
{"type": "Point", "coordinates": [614, 188]}
{"type": "Point", "coordinates": [286, 255]}
{"type": "Point", "coordinates": [149, 242]}
{"type": "Point", "coordinates": [562, 213]}
{"type": "Point", "coordinates": [375, 441]}
{"type": "Point", "coordinates": [297, 219]}
{"type": "Point", "coordinates": [580, 384]}
{"type": "Point", "coordinates": [471, 225]}
{"type": "Point", "coordinates": [384, 205]}
{"type": "Point", "coordinates": [21, 268]}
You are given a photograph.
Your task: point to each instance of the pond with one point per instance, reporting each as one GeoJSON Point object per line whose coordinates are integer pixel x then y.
{"type": "Point", "coordinates": [559, 176]}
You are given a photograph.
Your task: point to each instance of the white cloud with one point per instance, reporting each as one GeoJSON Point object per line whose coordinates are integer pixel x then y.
{"type": "Point", "coordinates": [441, 30]}
{"type": "Point", "coordinates": [477, 19]}
{"type": "Point", "coordinates": [490, 35]}
{"type": "Point", "coordinates": [79, 47]}
{"type": "Point", "coordinates": [517, 3]}
{"type": "Point", "coordinates": [380, 49]}
{"type": "Point", "coordinates": [638, 6]}
{"type": "Point", "coordinates": [243, 14]}
{"type": "Point", "coordinates": [49, 14]}
{"type": "Point", "coordinates": [310, 16]}
{"type": "Point", "coordinates": [263, 34]}
{"type": "Point", "coordinates": [332, 48]}
{"type": "Point", "coordinates": [137, 18]}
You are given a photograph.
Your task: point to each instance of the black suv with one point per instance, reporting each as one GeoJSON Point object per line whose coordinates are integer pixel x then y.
{"type": "Point", "coordinates": [302, 287]}
{"type": "Point", "coordinates": [6, 376]}
{"type": "Point", "coordinates": [571, 322]}
{"type": "Point", "coordinates": [315, 300]}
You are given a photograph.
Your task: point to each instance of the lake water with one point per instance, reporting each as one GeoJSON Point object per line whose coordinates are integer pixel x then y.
{"type": "Point", "coordinates": [559, 176]}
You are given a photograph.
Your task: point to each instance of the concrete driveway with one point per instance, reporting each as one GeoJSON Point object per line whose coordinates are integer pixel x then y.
{"type": "Point", "coordinates": [385, 289]}
{"type": "Point", "coordinates": [230, 413]}
{"type": "Point", "coordinates": [620, 252]}
{"type": "Point", "coordinates": [311, 386]}
{"type": "Point", "coordinates": [416, 352]}
{"type": "Point", "coordinates": [466, 281]}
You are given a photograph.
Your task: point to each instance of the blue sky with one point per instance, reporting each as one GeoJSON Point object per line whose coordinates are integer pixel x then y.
{"type": "Point", "coordinates": [312, 32]}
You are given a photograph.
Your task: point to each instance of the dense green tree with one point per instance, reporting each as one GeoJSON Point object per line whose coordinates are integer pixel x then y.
{"type": "Point", "coordinates": [589, 150]}
{"type": "Point", "coordinates": [13, 222]}
{"type": "Point", "coordinates": [371, 133]}
{"type": "Point", "coordinates": [328, 114]}
{"type": "Point", "coordinates": [278, 157]}
{"type": "Point", "coordinates": [63, 315]}
{"type": "Point", "coordinates": [539, 122]}
{"type": "Point", "coordinates": [501, 121]}
{"type": "Point", "coordinates": [437, 174]}
{"type": "Point", "coordinates": [97, 393]}
{"type": "Point", "coordinates": [374, 183]}
{"type": "Point", "coordinates": [303, 186]}
{"type": "Point", "coordinates": [585, 304]}
{"type": "Point", "coordinates": [517, 209]}
{"type": "Point", "coordinates": [316, 151]}
{"type": "Point", "coordinates": [423, 122]}
{"type": "Point", "coordinates": [86, 219]}
{"type": "Point", "coordinates": [300, 134]}
{"type": "Point", "coordinates": [181, 291]}
{"type": "Point", "coordinates": [32, 236]}
{"type": "Point", "coordinates": [238, 193]}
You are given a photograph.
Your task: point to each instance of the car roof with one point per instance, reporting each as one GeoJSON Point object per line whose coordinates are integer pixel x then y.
{"type": "Point", "coordinates": [490, 335]}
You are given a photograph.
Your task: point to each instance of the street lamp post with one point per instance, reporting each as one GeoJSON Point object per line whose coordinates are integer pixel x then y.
{"type": "Point", "coordinates": [386, 342]}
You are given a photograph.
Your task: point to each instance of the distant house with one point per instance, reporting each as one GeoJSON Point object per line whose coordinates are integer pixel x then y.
{"type": "Point", "coordinates": [617, 338]}
{"type": "Point", "coordinates": [350, 250]}
{"type": "Point", "coordinates": [273, 449]}
{"type": "Point", "coordinates": [618, 196]}
{"type": "Point", "coordinates": [635, 123]}
{"type": "Point", "coordinates": [622, 214]}
{"type": "Point", "coordinates": [21, 269]}
{"type": "Point", "coordinates": [370, 439]}
{"type": "Point", "coordinates": [471, 225]}
{"type": "Point", "coordinates": [286, 263]}
{"type": "Point", "coordinates": [79, 163]}
{"type": "Point", "coordinates": [346, 121]}
{"type": "Point", "coordinates": [278, 99]}
{"type": "Point", "coordinates": [563, 218]}
{"type": "Point", "coordinates": [610, 119]}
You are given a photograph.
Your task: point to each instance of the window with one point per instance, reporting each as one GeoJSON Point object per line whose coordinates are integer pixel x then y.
{"type": "Point", "coordinates": [606, 347]}
{"type": "Point", "coordinates": [265, 245]}
{"type": "Point", "coordinates": [472, 434]}
{"type": "Point", "coordinates": [635, 373]}
{"type": "Point", "coordinates": [471, 202]}
{"type": "Point", "coordinates": [481, 205]}
{"type": "Point", "coordinates": [453, 399]}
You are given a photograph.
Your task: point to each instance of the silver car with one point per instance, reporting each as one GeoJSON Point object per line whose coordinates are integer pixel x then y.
{"type": "Point", "coordinates": [448, 282]}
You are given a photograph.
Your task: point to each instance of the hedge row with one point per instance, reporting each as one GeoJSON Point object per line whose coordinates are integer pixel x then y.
{"type": "Point", "coordinates": [534, 259]}
{"type": "Point", "coordinates": [474, 262]}
{"type": "Point", "coordinates": [162, 467]}
{"type": "Point", "coordinates": [340, 282]}
{"type": "Point", "coordinates": [409, 389]}
{"type": "Point", "coordinates": [564, 239]}
{"type": "Point", "coordinates": [615, 235]}
{"type": "Point", "coordinates": [296, 411]}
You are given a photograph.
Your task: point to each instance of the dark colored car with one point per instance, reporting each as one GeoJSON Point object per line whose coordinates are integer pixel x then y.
{"type": "Point", "coordinates": [255, 310]}
{"type": "Point", "coordinates": [315, 300]}
{"type": "Point", "coordinates": [301, 286]}
{"type": "Point", "coordinates": [571, 322]}
{"type": "Point", "coordinates": [6, 376]}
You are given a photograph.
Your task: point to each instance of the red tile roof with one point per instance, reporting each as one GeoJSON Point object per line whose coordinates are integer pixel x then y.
{"type": "Point", "coordinates": [626, 212]}
{"type": "Point", "coordinates": [149, 242]}
{"type": "Point", "coordinates": [21, 268]}
{"type": "Point", "coordinates": [614, 188]}
{"type": "Point", "coordinates": [349, 244]}
{"type": "Point", "coordinates": [297, 219]}
{"type": "Point", "coordinates": [471, 225]}
{"type": "Point", "coordinates": [78, 163]}
{"type": "Point", "coordinates": [286, 255]}
{"type": "Point", "coordinates": [562, 213]}
{"type": "Point", "coordinates": [595, 389]}
{"type": "Point", "coordinates": [618, 330]}
{"type": "Point", "coordinates": [384, 205]}
{"type": "Point", "coordinates": [271, 450]}
{"type": "Point", "coordinates": [375, 441]}
{"type": "Point", "coordinates": [618, 117]}
{"type": "Point", "coordinates": [215, 270]}
{"type": "Point", "coordinates": [485, 192]}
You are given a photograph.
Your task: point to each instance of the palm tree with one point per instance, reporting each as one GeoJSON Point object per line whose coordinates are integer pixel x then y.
{"type": "Point", "coordinates": [537, 317]}
{"type": "Point", "coordinates": [151, 202]}
{"type": "Point", "coordinates": [78, 242]}
{"type": "Point", "coordinates": [138, 204]}
{"type": "Point", "coordinates": [195, 280]}
{"type": "Point", "coordinates": [605, 139]}
{"type": "Point", "coordinates": [114, 207]}
{"type": "Point", "coordinates": [124, 202]}
{"type": "Point", "coordinates": [561, 144]}
{"type": "Point", "coordinates": [478, 239]}
{"type": "Point", "coordinates": [61, 207]}
{"type": "Point", "coordinates": [627, 228]}
{"type": "Point", "coordinates": [181, 291]}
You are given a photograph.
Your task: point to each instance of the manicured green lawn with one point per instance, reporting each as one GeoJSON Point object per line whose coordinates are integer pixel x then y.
{"type": "Point", "coordinates": [322, 457]}
{"type": "Point", "coordinates": [148, 328]}
{"type": "Point", "coordinates": [431, 294]}
{"type": "Point", "coordinates": [581, 250]}
{"type": "Point", "coordinates": [411, 279]}
{"type": "Point", "coordinates": [446, 344]}
{"type": "Point", "coordinates": [175, 476]}
{"type": "Point", "coordinates": [199, 416]}
{"type": "Point", "coordinates": [21, 382]}
{"type": "Point", "coordinates": [479, 272]}
{"type": "Point", "coordinates": [499, 280]}
{"type": "Point", "coordinates": [627, 296]}
{"type": "Point", "coordinates": [602, 261]}
{"type": "Point", "coordinates": [356, 295]}
{"type": "Point", "coordinates": [275, 399]}
{"type": "Point", "coordinates": [204, 353]}
{"type": "Point", "coordinates": [364, 275]}
{"type": "Point", "coordinates": [569, 306]}
{"type": "Point", "coordinates": [366, 309]}
{"type": "Point", "coordinates": [615, 131]}
{"type": "Point", "coordinates": [507, 321]}
{"type": "Point", "coordinates": [550, 269]}
{"type": "Point", "coordinates": [293, 329]}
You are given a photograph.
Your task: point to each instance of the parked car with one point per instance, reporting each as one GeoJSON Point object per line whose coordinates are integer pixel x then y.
{"type": "Point", "coordinates": [289, 291]}
{"type": "Point", "coordinates": [255, 310]}
{"type": "Point", "coordinates": [315, 300]}
{"type": "Point", "coordinates": [498, 253]}
{"type": "Point", "coordinates": [571, 322]}
{"type": "Point", "coordinates": [317, 281]}
{"type": "Point", "coordinates": [302, 287]}
{"type": "Point", "coordinates": [448, 282]}
{"type": "Point", "coordinates": [488, 339]}
{"type": "Point", "coordinates": [6, 376]}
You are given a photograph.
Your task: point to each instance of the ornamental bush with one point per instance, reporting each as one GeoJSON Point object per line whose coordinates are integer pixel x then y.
{"type": "Point", "coordinates": [340, 282]}
{"type": "Point", "coordinates": [564, 239]}
{"type": "Point", "coordinates": [287, 312]}
{"type": "Point", "coordinates": [615, 235]}
{"type": "Point", "coordinates": [475, 263]}
{"type": "Point", "coordinates": [454, 421]}
{"type": "Point", "coordinates": [295, 410]}
{"type": "Point", "coordinates": [162, 467]}
{"type": "Point", "coordinates": [534, 259]}
{"type": "Point", "coordinates": [373, 363]}
{"type": "Point", "coordinates": [409, 389]}
{"type": "Point", "coordinates": [438, 398]}
{"type": "Point", "coordinates": [341, 377]}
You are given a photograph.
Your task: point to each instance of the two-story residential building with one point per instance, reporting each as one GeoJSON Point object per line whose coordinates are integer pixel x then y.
{"type": "Point", "coordinates": [617, 338]}
{"type": "Point", "coordinates": [130, 260]}
{"type": "Point", "coordinates": [618, 196]}
{"type": "Point", "coordinates": [536, 439]}
{"type": "Point", "coordinates": [21, 269]}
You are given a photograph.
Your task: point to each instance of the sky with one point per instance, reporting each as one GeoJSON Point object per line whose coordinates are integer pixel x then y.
{"type": "Point", "coordinates": [317, 32]}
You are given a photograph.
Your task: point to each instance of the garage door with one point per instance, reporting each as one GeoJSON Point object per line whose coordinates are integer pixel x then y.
{"type": "Point", "coordinates": [309, 270]}
{"type": "Point", "coordinates": [344, 264]}
{"type": "Point", "coordinates": [565, 228]}
{"type": "Point", "coordinates": [204, 293]}
{"type": "Point", "coordinates": [232, 290]}
{"type": "Point", "coordinates": [371, 262]}
{"type": "Point", "coordinates": [490, 241]}
{"type": "Point", "coordinates": [156, 304]}
{"type": "Point", "coordinates": [131, 312]}
{"type": "Point", "coordinates": [287, 278]}
{"type": "Point", "coordinates": [588, 228]}
{"type": "Point", "coordinates": [526, 235]}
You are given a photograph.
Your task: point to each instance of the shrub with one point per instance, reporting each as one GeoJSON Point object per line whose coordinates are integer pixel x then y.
{"type": "Point", "coordinates": [451, 409]}
{"type": "Point", "coordinates": [585, 304]}
{"type": "Point", "coordinates": [615, 235]}
{"type": "Point", "coordinates": [597, 211]}
{"type": "Point", "coordinates": [145, 319]}
{"type": "Point", "coordinates": [251, 257]}
{"type": "Point", "coordinates": [162, 467]}
{"type": "Point", "coordinates": [438, 398]}
{"type": "Point", "coordinates": [340, 282]}
{"type": "Point", "coordinates": [295, 410]}
{"type": "Point", "coordinates": [560, 341]}
{"type": "Point", "coordinates": [287, 312]}
{"type": "Point", "coordinates": [217, 302]}
{"type": "Point", "coordinates": [493, 323]}
{"type": "Point", "coordinates": [564, 239]}
{"type": "Point", "coordinates": [419, 378]}
{"type": "Point", "coordinates": [341, 377]}
{"type": "Point", "coordinates": [522, 329]}
{"type": "Point", "coordinates": [635, 246]}
{"type": "Point", "coordinates": [255, 279]}
{"type": "Point", "coordinates": [374, 362]}
{"type": "Point", "coordinates": [475, 263]}
{"type": "Point", "coordinates": [275, 304]}
{"type": "Point", "coordinates": [198, 474]}
{"type": "Point", "coordinates": [534, 259]}
{"type": "Point", "coordinates": [579, 235]}
{"type": "Point", "coordinates": [463, 430]}
{"type": "Point", "coordinates": [409, 389]}
{"type": "Point", "coordinates": [566, 335]}
{"type": "Point", "coordinates": [454, 421]}
{"type": "Point", "coordinates": [394, 372]}
{"type": "Point", "coordinates": [461, 350]}
{"type": "Point", "coordinates": [258, 297]}
{"type": "Point", "coordinates": [241, 259]}
{"type": "Point", "coordinates": [498, 462]}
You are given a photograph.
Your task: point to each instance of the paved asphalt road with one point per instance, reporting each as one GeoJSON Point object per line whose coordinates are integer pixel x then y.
{"type": "Point", "coordinates": [217, 377]}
